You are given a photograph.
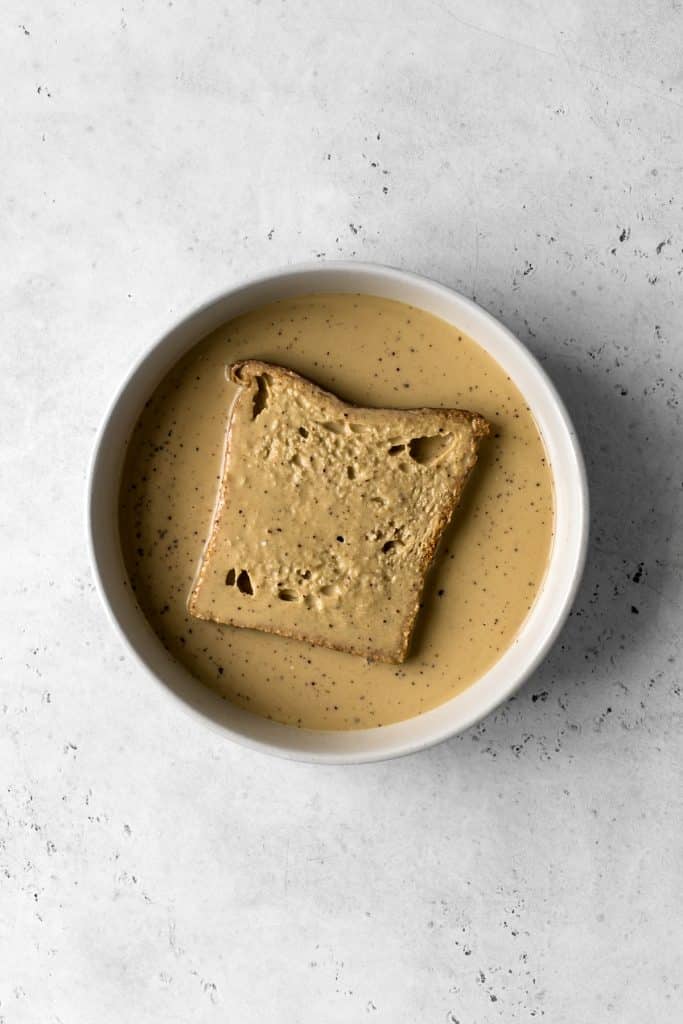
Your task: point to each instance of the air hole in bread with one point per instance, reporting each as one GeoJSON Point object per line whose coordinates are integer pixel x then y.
{"type": "Point", "coordinates": [230, 578]}
{"type": "Point", "coordinates": [297, 461]}
{"type": "Point", "coordinates": [396, 448]}
{"type": "Point", "coordinates": [427, 450]}
{"type": "Point", "coordinates": [388, 546]}
{"type": "Point", "coordinates": [303, 431]}
{"type": "Point", "coordinates": [327, 590]}
{"type": "Point", "coordinates": [287, 595]}
{"type": "Point", "coordinates": [244, 583]}
{"type": "Point", "coordinates": [350, 472]}
{"type": "Point", "coordinates": [332, 427]}
{"type": "Point", "coordinates": [261, 396]}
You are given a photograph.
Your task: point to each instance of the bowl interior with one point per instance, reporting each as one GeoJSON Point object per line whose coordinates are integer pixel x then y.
{"type": "Point", "coordinates": [537, 632]}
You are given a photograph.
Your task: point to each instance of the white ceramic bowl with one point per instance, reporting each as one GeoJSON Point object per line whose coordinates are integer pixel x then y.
{"type": "Point", "coordinates": [541, 626]}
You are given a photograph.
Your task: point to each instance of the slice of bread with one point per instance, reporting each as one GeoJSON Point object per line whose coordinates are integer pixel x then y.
{"type": "Point", "coordinates": [328, 515]}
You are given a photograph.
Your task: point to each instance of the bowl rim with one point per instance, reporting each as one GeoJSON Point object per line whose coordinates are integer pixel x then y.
{"type": "Point", "coordinates": [276, 744]}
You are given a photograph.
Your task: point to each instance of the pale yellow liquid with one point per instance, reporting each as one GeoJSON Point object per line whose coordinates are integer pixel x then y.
{"type": "Point", "coordinates": [369, 351]}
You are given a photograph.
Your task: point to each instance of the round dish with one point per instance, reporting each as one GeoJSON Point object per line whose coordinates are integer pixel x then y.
{"type": "Point", "coordinates": [539, 630]}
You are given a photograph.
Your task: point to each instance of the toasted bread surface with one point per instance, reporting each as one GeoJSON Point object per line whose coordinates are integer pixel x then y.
{"type": "Point", "coordinates": [328, 515]}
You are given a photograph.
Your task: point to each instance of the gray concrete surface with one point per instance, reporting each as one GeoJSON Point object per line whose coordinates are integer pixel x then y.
{"type": "Point", "coordinates": [528, 154]}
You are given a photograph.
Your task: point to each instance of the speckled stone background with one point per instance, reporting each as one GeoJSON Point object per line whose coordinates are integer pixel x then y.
{"type": "Point", "coordinates": [527, 153]}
